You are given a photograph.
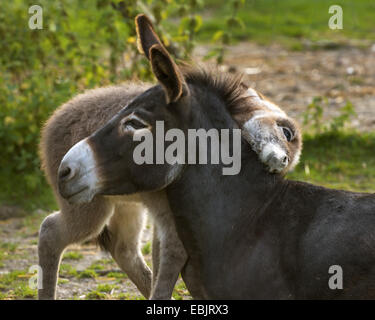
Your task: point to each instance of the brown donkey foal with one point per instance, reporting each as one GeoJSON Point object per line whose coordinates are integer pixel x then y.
{"type": "Point", "coordinates": [118, 221]}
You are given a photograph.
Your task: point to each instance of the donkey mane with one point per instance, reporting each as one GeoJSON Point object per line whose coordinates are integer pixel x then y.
{"type": "Point", "coordinates": [229, 87]}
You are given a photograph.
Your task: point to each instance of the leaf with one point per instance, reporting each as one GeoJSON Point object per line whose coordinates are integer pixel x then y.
{"type": "Point", "coordinates": [131, 40]}
{"type": "Point", "coordinates": [217, 35]}
{"type": "Point", "coordinates": [198, 23]}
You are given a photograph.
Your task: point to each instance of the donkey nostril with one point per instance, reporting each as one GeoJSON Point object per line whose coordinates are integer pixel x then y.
{"type": "Point", "coordinates": [285, 160]}
{"type": "Point", "coordinates": [65, 173]}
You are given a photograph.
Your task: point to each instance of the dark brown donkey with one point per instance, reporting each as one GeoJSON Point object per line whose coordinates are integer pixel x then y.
{"type": "Point", "coordinates": [251, 235]}
{"type": "Point", "coordinates": [119, 220]}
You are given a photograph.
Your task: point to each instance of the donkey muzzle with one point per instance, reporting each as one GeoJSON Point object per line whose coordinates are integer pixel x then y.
{"type": "Point", "coordinates": [77, 177]}
{"type": "Point", "coordinates": [274, 157]}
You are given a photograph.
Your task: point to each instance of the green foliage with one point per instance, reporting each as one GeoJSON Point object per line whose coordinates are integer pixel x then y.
{"type": "Point", "coordinates": [313, 117]}
{"type": "Point", "coordinates": [314, 114]}
{"type": "Point", "coordinates": [224, 36]}
{"type": "Point", "coordinates": [338, 123]}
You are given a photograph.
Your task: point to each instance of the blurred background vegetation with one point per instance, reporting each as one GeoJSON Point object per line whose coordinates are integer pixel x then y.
{"type": "Point", "coordinates": [86, 44]}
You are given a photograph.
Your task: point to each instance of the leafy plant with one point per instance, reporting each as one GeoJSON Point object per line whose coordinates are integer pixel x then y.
{"type": "Point", "coordinates": [313, 116]}
{"type": "Point", "coordinates": [338, 123]}
{"type": "Point", "coordinates": [222, 38]}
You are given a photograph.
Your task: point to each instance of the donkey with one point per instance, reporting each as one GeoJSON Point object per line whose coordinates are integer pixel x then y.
{"type": "Point", "coordinates": [254, 235]}
{"type": "Point", "coordinates": [261, 120]}
{"type": "Point", "coordinates": [118, 221]}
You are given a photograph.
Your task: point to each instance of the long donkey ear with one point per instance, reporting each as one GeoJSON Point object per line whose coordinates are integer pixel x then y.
{"type": "Point", "coordinates": [146, 36]}
{"type": "Point", "coordinates": [167, 72]}
{"type": "Point", "coordinates": [163, 66]}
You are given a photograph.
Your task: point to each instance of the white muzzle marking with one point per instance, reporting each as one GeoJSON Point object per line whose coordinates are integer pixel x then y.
{"type": "Point", "coordinates": [83, 181]}
{"type": "Point", "coordinates": [274, 157]}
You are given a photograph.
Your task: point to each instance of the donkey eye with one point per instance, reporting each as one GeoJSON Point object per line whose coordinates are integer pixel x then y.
{"type": "Point", "coordinates": [287, 133]}
{"type": "Point", "coordinates": [133, 124]}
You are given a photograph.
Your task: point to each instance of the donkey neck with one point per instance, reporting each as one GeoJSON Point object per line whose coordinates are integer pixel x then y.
{"type": "Point", "coordinates": [203, 197]}
{"type": "Point", "coordinates": [227, 198]}
{"type": "Point", "coordinates": [214, 213]}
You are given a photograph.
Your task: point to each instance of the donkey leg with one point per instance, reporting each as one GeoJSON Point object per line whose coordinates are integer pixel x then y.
{"type": "Point", "coordinates": [188, 273]}
{"type": "Point", "coordinates": [72, 224]}
{"type": "Point", "coordinates": [172, 257]}
{"type": "Point", "coordinates": [125, 229]}
{"type": "Point", "coordinates": [192, 282]}
{"type": "Point", "coordinates": [155, 255]}
{"type": "Point", "coordinates": [50, 247]}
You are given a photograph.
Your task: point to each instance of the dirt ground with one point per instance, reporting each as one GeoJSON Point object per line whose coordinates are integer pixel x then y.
{"type": "Point", "coordinates": [86, 272]}
{"type": "Point", "coordinates": [289, 78]}
{"type": "Point", "coordinates": [23, 233]}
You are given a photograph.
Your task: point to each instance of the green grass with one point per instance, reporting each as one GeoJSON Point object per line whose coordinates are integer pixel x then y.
{"type": "Point", "coordinates": [73, 255]}
{"type": "Point", "coordinates": [15, 285]}
{"type": "Point", "coordinates": [101, 264]}
{"type": "Point", "coordinates": [88, 273]}
{"type": "Point", "coordinates": [62, 281]}
{"type": "Point", "coordinates": [96, 295]}
{"type": "Point", "coordinates": [9, 246]}
{"type": "Point", "coordinates": [103, 291]}
{"type": "Point", "coordinates": [180, 291]}
{"type": "Point", "coordinates": [146, 249]}
{"type": "Point", "coordinates": [117, 275]}
{"type": "Point", "coordinates": [338, 160]}
{"type": "Point", "coordinates": [106, 288]}
{"type": "Point", "coordinates": [23, 291]}
{"type": "Point", "coordinates": [96, 266]}
{"type": "Point", "coordinates": [2, 258]}
{"type": "Point", "coordinates": [67, 270]}
{"type": "Point", "coordinates": [289, 21]}
{"type": "Point", "coordinates": [129, 296]}
{"type": "Point", "coordinates": [7, 251]}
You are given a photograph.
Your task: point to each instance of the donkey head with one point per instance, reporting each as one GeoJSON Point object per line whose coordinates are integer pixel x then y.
{"type": "Point", "coordinates": [103, 162]}
{"type": "Point", "coordinates": [274, 136]}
